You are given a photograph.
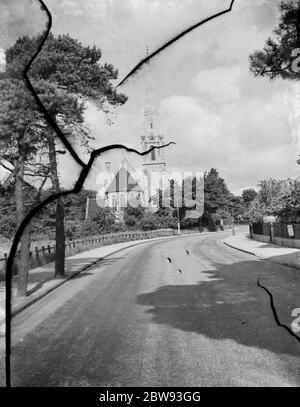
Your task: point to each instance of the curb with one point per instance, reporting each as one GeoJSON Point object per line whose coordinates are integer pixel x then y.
{"type": "Point", "coordinates": [18, 309]}
{"type": "Point", "coordinates": [239, 249]}
{"type": "Point", "coordinates": [262, 258]}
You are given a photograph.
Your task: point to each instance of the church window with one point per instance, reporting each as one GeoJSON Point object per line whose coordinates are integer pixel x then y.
{"type": "Point", "coordinates": [153, 154]}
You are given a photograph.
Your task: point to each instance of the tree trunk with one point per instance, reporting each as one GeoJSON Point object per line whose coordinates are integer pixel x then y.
{"type": "Point", "coordinates": [298, 24]}
{"type": "Point", "coordinates": [59, 227]}
{"type": "Point", "coordinates": [25, 238]}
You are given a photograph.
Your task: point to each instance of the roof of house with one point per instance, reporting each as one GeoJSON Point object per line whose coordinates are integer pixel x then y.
{"type": "Point", "coordinates": [123, 181]}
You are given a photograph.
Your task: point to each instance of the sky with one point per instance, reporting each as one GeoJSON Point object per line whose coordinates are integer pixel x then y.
{"type": "Point", "coordinates": [210, 105]}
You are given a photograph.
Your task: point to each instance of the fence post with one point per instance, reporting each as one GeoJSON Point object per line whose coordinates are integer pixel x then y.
{"type": "Point", "coordinates": [272, 232]}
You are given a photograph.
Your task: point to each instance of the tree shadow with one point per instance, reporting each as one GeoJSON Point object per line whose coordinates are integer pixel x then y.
{"type": "Point", "coordinates": [229, 305]}
{"type": "Point", "coordinates": [39, 278]}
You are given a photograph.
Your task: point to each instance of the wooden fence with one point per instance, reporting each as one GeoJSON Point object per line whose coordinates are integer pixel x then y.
{"type": "Point", "coordinates": [279, 233]}
{"type": "Point", "coordinates": [45, 255]}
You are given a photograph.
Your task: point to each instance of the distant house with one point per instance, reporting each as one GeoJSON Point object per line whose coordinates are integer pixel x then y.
{"type": "Point", "coordinates": [123, 189]}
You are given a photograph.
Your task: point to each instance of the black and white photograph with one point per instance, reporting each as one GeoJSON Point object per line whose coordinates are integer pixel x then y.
{"type": "Point", "coordinates": [150, 197]}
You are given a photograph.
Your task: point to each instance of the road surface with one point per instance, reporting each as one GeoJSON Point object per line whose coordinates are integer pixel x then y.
{"type": "Point", "coordinates": [135, 320]}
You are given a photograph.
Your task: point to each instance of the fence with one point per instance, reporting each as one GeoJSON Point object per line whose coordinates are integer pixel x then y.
{"type": "Point", "coordinates": [262, 229]}
{"type": "Point", "coordinates": [45, 255]}
{"type": "Point", "coordinates": [277, 233]}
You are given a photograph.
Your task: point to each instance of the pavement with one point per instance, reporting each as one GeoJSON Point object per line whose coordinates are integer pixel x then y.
{"type": "Point", "coordinates": [274, 253]}
{"type": "Point", "coordinates": [137, 319]}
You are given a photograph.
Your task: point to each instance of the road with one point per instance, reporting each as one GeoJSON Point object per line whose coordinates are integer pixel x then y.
{"type": "Point", "coordinates": [135, 320]}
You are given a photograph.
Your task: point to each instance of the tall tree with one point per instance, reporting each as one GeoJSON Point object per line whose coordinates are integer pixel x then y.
{"type": "Point", "coordinates": [279, 55]}
{"type": "Point", "coordinates": [18, 144]}
{"type": "Point", "coordinates": [216, 192]}
{"type": "Point", "coordinates": [65, 74]}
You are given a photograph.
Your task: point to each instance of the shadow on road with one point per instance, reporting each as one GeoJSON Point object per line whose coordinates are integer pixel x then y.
{"type": "Point", "coordinates": [230, 305]}
{"type": "Point", "coordinates": [39, 278]}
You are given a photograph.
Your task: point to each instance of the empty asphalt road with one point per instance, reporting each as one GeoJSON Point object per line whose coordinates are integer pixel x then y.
{"type": "Point", "coordinates": [134, 319]}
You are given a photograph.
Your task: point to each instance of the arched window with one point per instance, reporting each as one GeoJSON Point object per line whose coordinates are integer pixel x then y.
{"type": "Point", "coordinates": [153, 154]}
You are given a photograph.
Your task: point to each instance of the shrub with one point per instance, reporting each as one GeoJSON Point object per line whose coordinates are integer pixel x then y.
{"type": "Point", "coordinates": [189, 223]}
{"type": "Point", "coordinates": [130, 221]}
{"type": "Point", "coordinates": [149, 222]}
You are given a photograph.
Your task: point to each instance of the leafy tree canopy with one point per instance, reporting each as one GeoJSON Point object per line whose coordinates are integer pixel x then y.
{"type": "Point", "coordinates": [277, 56]}
{"type": "Point", "coordinates": [216, 192]}
{"type": "Point", "coordinates": [66, 62]}
{"type": "Point", "coordinates": [248, 195]}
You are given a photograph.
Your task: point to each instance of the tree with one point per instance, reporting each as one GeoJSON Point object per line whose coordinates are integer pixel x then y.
{"type": "Point", "coordinates": [166, 218]}
{"type": "Point", "coordinates": [216, 193]}
{"type": "Point", "coordinates": [149, 222]}
{"type": "Point", "coordinates": [279, 198]}
{"type": "Point", "coordinates": [105, 220]}
{"type": "Point", "coordinates": [277, 59]}
{"type": "Point", "coordinates": [235, 206]}
{"type": "Point", "coordinates": [248, 195]}
{"type": "Point", "coordinates": [18, 144]}
{"type": "Point", "coordinates": [65, 74]}
{"type": "Point", "coordinates": [256, 211]}
{"type": "Point", "coordinates": [188, 194]}
{"type": "Point", "coordinates": [7, 210]}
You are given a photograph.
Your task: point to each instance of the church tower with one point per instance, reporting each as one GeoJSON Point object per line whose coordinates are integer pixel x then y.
{"type": "Point", "coordinates": [154, 161]}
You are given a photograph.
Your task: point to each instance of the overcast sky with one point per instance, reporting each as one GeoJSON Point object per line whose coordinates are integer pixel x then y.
{"type": "Point", "coordinates": [210, 105]}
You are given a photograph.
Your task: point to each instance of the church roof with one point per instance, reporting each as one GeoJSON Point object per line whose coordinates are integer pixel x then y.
{"type": "Point", "coordinates": [123, 182]}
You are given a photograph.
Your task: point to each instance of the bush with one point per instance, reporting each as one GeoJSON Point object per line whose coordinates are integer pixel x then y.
{"type": "Point", "coordinates": [103, 222]}
{"type": "Point", "coordinates": [149, 222]}
{"type": "Point", "coordinates": [130, 221]}
{"type": "Point", "coordinates": [137, 213]}
{"type": "Point", "coordinates": [165, 219]}
{"type": "Point", "coordinates": [188, 223]}
{"type": "Point", "coordinates": [133, 216]}
{"type": "Point", "coordinates": [71, 230]}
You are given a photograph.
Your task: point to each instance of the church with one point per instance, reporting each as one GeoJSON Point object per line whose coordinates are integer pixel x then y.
{"type": "Point", "coordinates": [131, 187]}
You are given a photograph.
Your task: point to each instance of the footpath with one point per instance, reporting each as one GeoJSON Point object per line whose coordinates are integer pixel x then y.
{"type": "Point", "coordinates": [277, 254]}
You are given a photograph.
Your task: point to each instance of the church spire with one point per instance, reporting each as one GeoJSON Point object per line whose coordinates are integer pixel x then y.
{"type": "Point", "coordinates": [151, 136]}
{"type": "Point", "coordinates": [150, 96]}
